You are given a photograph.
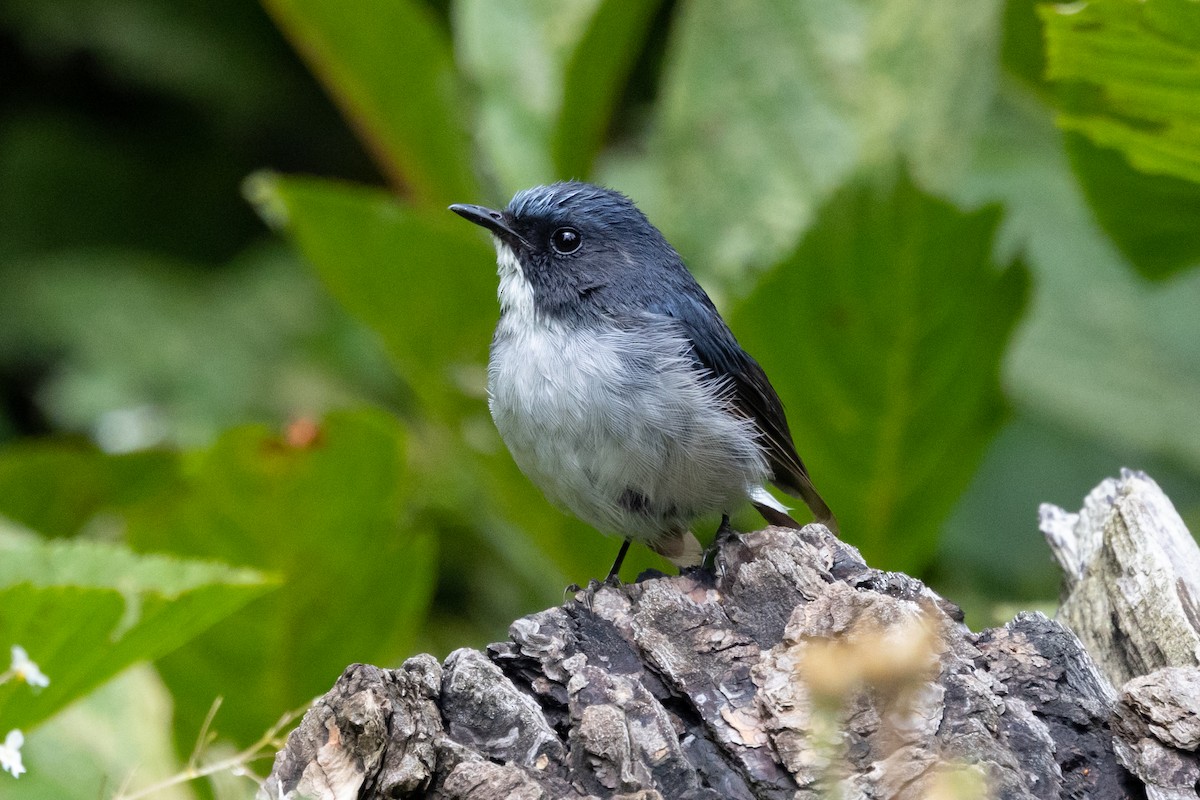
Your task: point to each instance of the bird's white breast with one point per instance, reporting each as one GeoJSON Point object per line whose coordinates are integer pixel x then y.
{"type": "Point", "coordinates": [599, 415]}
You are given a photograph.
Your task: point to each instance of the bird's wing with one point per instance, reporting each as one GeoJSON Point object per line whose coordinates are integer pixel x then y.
{"type": "Point", "coordinates": [716, 350]}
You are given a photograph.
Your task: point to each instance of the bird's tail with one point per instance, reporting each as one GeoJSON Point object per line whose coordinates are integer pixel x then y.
{"type": "Point", "coordinates": [802, 488]}
{"type": "Point", "coordinates": [818, 506]}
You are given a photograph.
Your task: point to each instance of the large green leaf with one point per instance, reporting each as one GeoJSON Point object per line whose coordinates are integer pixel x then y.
{"type": "Point", "coordinates": [765, 108]}
{"type": "Point", "coordinates": [388, 64]}
{"type": "Point", "coordinates": [895, 320]}
{"type": "Point", "coordinates": [332, 516]}
{"type": "Point", "coordinates": [86, 610]}
{"type": "Point", "coordinates": [1141, 63]}
{"type": "Point", "coordinates": [424, 280]}
{"type": "Point", "coordinates": [330, 513]}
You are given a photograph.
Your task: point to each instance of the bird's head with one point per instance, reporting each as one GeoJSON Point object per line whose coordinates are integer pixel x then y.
{"type": "Point", "coordinates": [565, 247]}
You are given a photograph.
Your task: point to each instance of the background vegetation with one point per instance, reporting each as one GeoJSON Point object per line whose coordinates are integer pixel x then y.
{"type": "Point", "coordinates": [961, 239]}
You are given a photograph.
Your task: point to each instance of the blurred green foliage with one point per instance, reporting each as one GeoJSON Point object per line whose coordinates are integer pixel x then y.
{"type": "Point", "coordinates": [91, 609]}
{"type": "Point", "coordinates": [962, 241]}
{"type": "Point", "coordinates": [891, 378]}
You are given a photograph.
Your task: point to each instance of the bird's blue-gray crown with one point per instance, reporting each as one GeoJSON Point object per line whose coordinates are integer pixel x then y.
{"type": "Point", "coordinates": [575, 202]}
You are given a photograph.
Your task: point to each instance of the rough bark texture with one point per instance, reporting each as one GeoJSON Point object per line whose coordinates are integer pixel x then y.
{"type": "Point", "coordinates": [1132, 592]}
{"type": "Point", "coordinates": [794, 671]}
{"type": "Point", "coordinates": [1132, 577]}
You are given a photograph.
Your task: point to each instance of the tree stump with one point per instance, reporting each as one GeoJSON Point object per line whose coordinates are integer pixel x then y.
{"type": "Point", "coordinates": [796, 671]}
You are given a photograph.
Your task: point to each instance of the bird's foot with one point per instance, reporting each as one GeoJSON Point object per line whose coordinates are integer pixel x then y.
{"type": "Point", "coordinates": [586, 595]}
{"type": "Point", "coordinates": [581, 594]}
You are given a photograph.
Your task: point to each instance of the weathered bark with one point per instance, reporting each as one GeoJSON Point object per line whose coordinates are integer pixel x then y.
{"type": "Point", "coordinates": [1131, 592]}
{"type": "Point", "coordinates": [1131, 587]}
{"type": "Point", "coordinates": [794, 671]}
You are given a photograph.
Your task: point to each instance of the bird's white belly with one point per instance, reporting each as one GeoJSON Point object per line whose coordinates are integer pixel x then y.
{"type": "Point", "coordinates": [618, 427]}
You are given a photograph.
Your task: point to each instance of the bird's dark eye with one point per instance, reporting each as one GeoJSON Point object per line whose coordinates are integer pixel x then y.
{"type": "Point", "coordinates": [565, 240]}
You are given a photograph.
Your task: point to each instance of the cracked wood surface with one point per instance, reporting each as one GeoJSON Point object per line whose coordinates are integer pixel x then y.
{"type": "Point", "coordinates": [1131, 591]}
{"type": "Point", "coordinates": [794, 671]}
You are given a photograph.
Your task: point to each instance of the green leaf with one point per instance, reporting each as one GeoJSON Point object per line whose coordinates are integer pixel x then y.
{"type": "Point", "coordinates": [1133, 78]}
{"type": "Point", "coordinates": [894, 321]}
{"type": "Point", "coordinates": [85, 611]}
{"type": "Point", "coordinates": [424, 280]}
{"type": "Point", "coordinates": [331, 517]}
{"type": "Point", "coordinates": [766, 108]}
{"type": "Point", "coordinates": [1099, 53]}
{"type": "Point", "coordinates": [1151, 218]}
{"type": "Point", "coordinates": [595, 74]}
{"type": "Point", "coordinates": [387, 63]}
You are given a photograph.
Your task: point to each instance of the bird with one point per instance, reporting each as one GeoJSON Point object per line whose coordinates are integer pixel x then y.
{"type": "Point", "coordinates": [615, 384]}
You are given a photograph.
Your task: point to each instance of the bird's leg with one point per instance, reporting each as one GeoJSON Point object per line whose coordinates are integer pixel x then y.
{"type": "Point", "coordinates": [724, 531]}
{"type": "Point", "coordinates": [613, 574]}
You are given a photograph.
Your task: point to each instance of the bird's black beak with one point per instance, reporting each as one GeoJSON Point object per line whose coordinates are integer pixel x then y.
{"type": "Point", "coordinates": [494, 221]}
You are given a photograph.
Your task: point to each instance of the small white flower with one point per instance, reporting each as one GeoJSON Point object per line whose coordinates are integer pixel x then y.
{"type": "Point", "coordinates": [10, 753]}
{"type": "Point", "coordinates": [27, 670]}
